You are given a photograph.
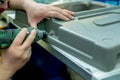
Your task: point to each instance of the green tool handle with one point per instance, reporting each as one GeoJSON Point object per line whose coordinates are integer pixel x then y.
{"type": "Point", "coordinates": [7, 36]}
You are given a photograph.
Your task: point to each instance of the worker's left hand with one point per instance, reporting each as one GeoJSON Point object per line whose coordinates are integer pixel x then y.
{"type": "Point", "coordinates": [37, 12]}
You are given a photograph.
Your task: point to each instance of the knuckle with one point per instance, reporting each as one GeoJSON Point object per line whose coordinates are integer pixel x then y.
{"type": "Point", "coordinates": [19, 55]}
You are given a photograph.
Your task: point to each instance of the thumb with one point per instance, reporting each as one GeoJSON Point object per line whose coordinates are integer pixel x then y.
{"type": "Point", "coordinates": [33, 24]}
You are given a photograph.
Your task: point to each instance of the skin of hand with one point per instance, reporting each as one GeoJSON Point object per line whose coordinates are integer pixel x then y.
{"type": "Point", "coordinates": [38, 11]}
{"type": "Point", "coordinates": [17, 55]}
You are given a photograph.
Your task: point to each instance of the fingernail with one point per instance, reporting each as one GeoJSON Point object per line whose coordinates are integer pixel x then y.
{"type": "Point", "coordinates": [72, 13]}
{"type": "Point", "coordinates": [72, 17]}
{"type": "Point", "coordinates": [67, 19]}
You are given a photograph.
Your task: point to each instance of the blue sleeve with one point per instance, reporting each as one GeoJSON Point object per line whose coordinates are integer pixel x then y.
{"type": "Point", "coordinates": [46, 1]}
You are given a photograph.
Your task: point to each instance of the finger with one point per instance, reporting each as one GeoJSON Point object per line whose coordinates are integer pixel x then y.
{"type": "Point", "coordinates": [64, 12]}
{"type": "Point", "coordinates": [30, 52]}
{"type": "Point", "coordinates": [68, 11]}
{"type": "Point", "coordinates": [58, 15]}
{"type": "Point", "coordinates": [33, 24]}
{"type": "Point", "coordinates": [29, 39]}
{"type": "Point", "coordinates": [56, 9]}
{"type": "Point", "coordinates": [27, 54]}
{"type": "Point", "coordinates": [20, 37]}
{"type": "Point", "coordinates": [67, 14]}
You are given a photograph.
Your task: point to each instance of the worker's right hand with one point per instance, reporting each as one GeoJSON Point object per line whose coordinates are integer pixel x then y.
{"type": "Point", "coordinates": [19, 52]}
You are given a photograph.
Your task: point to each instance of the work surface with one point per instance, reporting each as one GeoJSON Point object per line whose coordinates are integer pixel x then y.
{"type": "Point", "coordinates": [81, 67]}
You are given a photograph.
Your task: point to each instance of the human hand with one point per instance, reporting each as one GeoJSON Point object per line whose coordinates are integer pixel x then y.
{"type": "Point", "coordinates": [37, 12]}
{"type": "Point", "coordinates": [19, 52]}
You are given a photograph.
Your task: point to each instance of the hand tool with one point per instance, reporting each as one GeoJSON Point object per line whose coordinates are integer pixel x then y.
{"type": "Point", "coordinates": [7, 36]}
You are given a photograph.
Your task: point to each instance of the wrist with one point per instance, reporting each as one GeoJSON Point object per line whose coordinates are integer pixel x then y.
{"type": "Point", "coordinates": [20, 4]}
{"type": "Point", "coordinates": [28, 5]}
{"type": "Point", "coordinates": [17, 4]}
{"type": "Point", "coordinates": [5, 74]}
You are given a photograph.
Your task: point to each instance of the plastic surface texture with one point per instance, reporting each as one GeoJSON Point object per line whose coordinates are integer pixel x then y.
{"type": "Point", "coordinates": [93, 36]}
